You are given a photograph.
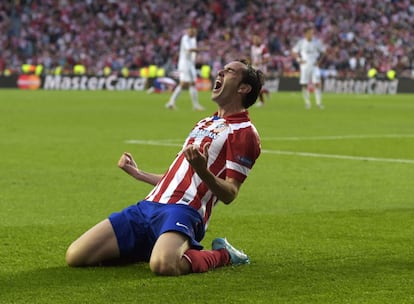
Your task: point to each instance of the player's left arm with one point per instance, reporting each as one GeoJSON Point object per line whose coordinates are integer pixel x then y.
{"type": "Point", "coordinates": [226, 190]}
{"type": "Point", "coordinates": [199, 49]}
{"type": "Point", "coordinates": [322, 50]}
{"type": "Point", "coordinates": [265, 56]}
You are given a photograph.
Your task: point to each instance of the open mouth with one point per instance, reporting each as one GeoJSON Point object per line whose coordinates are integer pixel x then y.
{"type": "Point", "coordinates": [217, 85]}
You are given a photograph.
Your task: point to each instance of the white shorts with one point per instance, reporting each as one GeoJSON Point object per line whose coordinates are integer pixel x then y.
{"type": "Point", "coordinates": [188, 75]}
{"type": "Point", "coordinates": [309, 73]}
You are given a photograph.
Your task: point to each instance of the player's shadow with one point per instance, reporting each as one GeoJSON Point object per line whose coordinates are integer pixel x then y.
{"type": "Point", "coordinates": [66, 279]}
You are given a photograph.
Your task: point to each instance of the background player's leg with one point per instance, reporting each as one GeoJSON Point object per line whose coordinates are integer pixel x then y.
{"type": "Point", "coordinates": [318, 87]}
{"type": "Point", "coordinates": [194, 98]}
{"type": "Point", "coordinates": [174, 96]}
{"type": "Point", "coordinates": [318, 96]}
{"type": "Point", "coordinates": [306, 96]}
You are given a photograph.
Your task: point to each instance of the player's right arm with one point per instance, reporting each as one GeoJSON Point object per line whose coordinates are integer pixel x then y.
{"type": "Point", "coordinates": [298, 58]}
{"type": "Point", "coordinates": [127, 163]}
{"type": "Point", "coordinates": [296, 53]}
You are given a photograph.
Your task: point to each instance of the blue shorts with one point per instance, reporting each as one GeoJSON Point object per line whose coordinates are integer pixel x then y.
{"type": "Point", "coordinates": [138, 227]}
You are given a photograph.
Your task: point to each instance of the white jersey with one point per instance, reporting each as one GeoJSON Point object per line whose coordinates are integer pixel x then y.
{"type": "Point", "coordinates": [187, 58]}
{"type": "Point", "coordinates": [259, 55]}
{"type": "Point", "coordinates": [309, 51]}
{"type": "Point", "coordinates": [234, 148]}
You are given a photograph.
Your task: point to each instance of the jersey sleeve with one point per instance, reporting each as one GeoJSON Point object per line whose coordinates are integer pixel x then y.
{"type": "Point", "coordinates": [243, 148]}
{"type": "Point", "coordinates": [296, 47]}
{"type": "Point", "coordinates": [322, 47]}
{"type": "Point", "coordinates": [187, 44]}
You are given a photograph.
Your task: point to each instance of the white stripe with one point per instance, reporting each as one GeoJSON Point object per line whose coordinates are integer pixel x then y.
{"type": "Point", "coordinates": [241, 125]}
{"type": "Point", "coordinates": [168, 143]}
{"type": "Point", "coordinates": [237, 167]}
{"type": "Point", "coordinates": [173, 184]}
{"type": "Point", "coordinates": [319, 155]}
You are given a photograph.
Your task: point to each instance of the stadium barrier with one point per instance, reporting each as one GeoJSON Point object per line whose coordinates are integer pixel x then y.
{"type": "Point", "coordinates": [118, 83]}
{"type": "Point", "coordinates": [348, 86]}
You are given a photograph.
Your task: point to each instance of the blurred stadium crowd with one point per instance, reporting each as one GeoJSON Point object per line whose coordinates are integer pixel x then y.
{"type": "Point", "coordinates": [359, 34]}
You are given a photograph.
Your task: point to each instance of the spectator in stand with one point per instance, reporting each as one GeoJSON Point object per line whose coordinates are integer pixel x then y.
{"type": "Point", "coordinates": [146, 32]}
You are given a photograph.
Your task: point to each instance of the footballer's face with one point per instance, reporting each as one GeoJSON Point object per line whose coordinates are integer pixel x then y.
{"type": "Point", "coordinates": [256, 40]}
{"type": "Point", "coordinates": [227, 82]}
{"type": "Point", "coordinates": [192, 32]}
{"type": "Point", "coordinates": [309, 34]}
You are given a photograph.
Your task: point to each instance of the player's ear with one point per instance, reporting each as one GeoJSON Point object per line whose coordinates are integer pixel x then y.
{"type": "Point", "coordinates": [244, 88]}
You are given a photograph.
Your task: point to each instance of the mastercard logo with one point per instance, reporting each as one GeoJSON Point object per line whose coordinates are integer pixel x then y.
{"type": "Point", "coordinates": [28, 82]}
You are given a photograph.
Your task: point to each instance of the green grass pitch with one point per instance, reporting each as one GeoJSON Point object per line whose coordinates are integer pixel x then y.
{"type": "Point", "coordinates": [326, 215]}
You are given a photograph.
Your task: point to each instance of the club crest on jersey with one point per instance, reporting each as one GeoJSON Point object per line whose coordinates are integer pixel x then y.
{"type": "Point", "coordinates": [220, 128]}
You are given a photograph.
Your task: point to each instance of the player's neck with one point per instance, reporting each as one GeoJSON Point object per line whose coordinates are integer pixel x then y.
{"type": "Point", "coordinates": [230, 109]}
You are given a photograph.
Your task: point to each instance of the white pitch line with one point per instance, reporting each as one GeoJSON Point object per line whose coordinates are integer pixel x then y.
{"type": "Point", "coordinates": [336, 137]}
{"type": "Point", "coordinates": [290, 138]}
{"type": "Point", "coordinates": [320, 155]}
{"type": "Point", "coordinates": [169, 143]}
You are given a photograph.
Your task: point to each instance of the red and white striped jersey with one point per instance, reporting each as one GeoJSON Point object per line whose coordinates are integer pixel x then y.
{"type": "Point", "coordinates": [234, 148]}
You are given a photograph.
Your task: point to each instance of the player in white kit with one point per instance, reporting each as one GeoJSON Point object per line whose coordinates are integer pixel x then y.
{"type": "Point", "coordinates": [308, 51]}
{"type": "Point", "coordinates": [187, 70]}
{"type": "Point", "coordinates": [259, 56]}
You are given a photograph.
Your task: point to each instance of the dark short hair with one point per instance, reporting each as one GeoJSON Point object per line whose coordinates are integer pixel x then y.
{"type": "Point", "coordinates": [254, 78]}
{"type": "Point", "coordinates": [308, 28]}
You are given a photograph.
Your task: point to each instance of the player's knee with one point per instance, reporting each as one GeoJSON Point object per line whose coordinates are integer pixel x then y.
{"type": "Point", "coordinates": [73, 257]}
{"type": "Point", "coordinates": [161, 267]}
{"type": "Point", "coordinates": [164, 267]}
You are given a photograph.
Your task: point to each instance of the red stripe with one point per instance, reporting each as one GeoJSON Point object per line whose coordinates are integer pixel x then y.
{"type": "Point", "coordinates": [168, 178]}
{"type": "Point", "coordinates": [236, 175]}
{"type": "Point", "coordinates": [201, 191]}
{"type": "Point", "coordinates": [220, 162]}
{"type": "Point", "coordinates": [190, 141]}
{"type": "Point", "coordinates": [182, 186]}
